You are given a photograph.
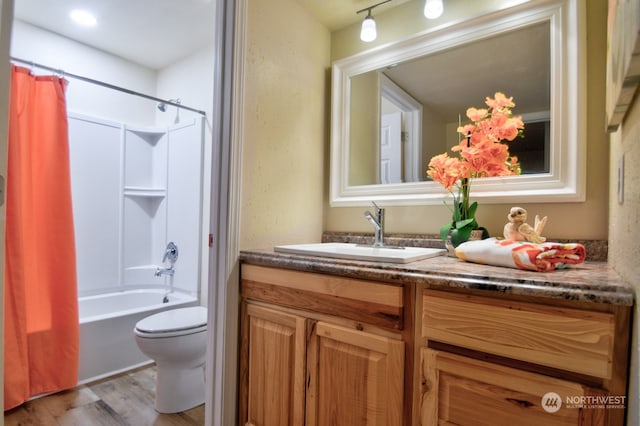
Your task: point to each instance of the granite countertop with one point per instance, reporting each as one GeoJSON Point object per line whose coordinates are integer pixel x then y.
{"type": "Point", "coordinates": [593, 282]}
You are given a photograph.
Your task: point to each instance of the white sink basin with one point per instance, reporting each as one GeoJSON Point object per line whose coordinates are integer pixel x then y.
{"type": "Point", "coordinates": [360, 252]}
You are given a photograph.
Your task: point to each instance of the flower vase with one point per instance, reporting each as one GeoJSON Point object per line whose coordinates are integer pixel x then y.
{"type": "Point", "coordinates": [476, 234]}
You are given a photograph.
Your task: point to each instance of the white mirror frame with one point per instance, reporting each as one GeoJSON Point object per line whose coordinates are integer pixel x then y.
{"type": "Point", "coordinates": [566, 181]}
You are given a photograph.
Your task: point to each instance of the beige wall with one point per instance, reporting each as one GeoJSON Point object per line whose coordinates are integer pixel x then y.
{"type": "Point", "coordinates": [587, 220]}
{"type": "Point", "coordinates": [285, 135]}
{"type": "Point", "coordinates": [624, 250]}
{"type": "Point", "coordinates": [346, 42]}
{"type": "Point", "coordinates": [364, 113]}
{"type": "Point", "coordinates": [624, 219]}
{"type": "Point", "coordinates": [286, 124]}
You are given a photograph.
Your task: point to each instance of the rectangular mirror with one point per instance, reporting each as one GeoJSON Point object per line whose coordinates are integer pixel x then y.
{"type": "Point", "coordinates": [396, 106]}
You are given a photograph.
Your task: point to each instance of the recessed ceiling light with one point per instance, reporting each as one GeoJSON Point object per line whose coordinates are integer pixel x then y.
{"type": "Point", "coordinates": [84, 18]}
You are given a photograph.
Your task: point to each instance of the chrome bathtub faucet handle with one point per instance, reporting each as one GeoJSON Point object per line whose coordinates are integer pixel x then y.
{"type": "Point", "coordinates": [170, 253]}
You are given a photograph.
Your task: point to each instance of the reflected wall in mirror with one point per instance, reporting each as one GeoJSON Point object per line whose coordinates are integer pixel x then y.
{"type": "Point", "coordinates": [384, 146]}
{"type": "Point", "coordinates": [396, 106]}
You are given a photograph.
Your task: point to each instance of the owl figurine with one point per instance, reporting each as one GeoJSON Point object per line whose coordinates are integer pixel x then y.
{"type": "Point", "coordinates": [517, 228]}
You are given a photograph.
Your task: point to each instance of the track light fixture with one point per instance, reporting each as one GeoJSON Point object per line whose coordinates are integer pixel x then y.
{"type": "Point", "coordinates": [368, 32]}
{"type": "Point", "coordinates": [433, 9]}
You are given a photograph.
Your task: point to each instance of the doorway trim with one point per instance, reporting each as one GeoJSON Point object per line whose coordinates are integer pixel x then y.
{"type": "Point", "coordinates": [223, 282]}
{"type": "Point", "coordinates": [412, 129]}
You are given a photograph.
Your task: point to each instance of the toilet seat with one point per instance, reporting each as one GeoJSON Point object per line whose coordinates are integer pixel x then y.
{"type": "Point", "coordinates": [174, 322]}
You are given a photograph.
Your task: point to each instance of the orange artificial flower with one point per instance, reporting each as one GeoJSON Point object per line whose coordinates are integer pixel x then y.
{"type": "Point", "coordinates": [481, 153]}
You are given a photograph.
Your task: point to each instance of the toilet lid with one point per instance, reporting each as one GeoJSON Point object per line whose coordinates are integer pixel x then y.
{"type": "Point", "coordinates": [174, 320]}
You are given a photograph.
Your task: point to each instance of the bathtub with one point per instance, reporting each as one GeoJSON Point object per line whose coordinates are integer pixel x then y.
{"type": "Point", "coordinates": [107, 345]}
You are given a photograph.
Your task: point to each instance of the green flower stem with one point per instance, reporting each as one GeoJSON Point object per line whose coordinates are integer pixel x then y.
{"type": "Point", "coordinates": [464, 203]}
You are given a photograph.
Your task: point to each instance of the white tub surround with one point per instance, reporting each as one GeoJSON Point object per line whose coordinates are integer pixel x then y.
{"type": "Point", "coordinates": [134, 190]}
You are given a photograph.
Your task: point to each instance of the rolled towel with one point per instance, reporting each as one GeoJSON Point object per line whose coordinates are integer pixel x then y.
{"type": "Point", "coordinates": [543, 257]}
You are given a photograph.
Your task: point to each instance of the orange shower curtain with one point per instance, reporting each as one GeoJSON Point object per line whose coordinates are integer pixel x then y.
{"type": "Point", "coordinates": [40, 297]}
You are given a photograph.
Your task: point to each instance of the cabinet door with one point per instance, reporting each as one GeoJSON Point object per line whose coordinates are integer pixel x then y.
{"type": "Point", "coordinates": [273, 345]}
{"type": "Point", "coordinates": [355, 378]}
{"type": "Point", "coordinates": [463, 391]}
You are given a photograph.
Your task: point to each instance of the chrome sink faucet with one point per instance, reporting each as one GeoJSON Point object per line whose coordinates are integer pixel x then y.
{"type": "Point", "coordinates": [378, 224]}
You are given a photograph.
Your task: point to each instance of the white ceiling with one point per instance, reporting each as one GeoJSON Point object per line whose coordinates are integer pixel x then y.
{"type": "Point", "coordinates": [156, 33]}
{"type": "Point", "coordinates": [153, 33]}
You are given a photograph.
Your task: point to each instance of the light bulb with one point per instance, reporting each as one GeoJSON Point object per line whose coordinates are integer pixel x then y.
{"type": "Point", "coordinates": [368, 31]}
{"type": "Point", "coordinates": [433, 9]}
{"type": "Point", "coordinates": [82, 17]}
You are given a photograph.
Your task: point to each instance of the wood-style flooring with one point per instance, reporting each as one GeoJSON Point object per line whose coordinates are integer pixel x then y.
{"type": "Point", "coordinates": [123, 400]}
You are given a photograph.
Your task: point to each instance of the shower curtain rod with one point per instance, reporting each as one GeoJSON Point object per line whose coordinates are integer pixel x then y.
{"type": "Point", "coordinates": [107, 85]}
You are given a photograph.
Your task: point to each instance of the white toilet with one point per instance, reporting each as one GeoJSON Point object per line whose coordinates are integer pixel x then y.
{"type": "Point", "coordinates": [176, 340]}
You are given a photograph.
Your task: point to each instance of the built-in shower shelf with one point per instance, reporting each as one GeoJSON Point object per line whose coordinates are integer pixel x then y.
{"type": "Point", "coordinates": [135, 191]}
{"type": "Point", "coordinates": [150, 135]}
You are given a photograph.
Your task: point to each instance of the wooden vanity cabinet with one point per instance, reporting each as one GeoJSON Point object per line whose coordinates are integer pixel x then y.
{"type": "Point", "coordinates": [491, 361]}
{"type": "Point", "coordinates": [320, 350]}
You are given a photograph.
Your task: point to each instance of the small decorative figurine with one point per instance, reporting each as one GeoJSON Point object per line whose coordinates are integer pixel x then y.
{"type": "Point", "coordinates": [518, 230]}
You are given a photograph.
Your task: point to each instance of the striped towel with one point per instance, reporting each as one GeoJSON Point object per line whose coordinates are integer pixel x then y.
{"type": "Point", "coordinates": [543, 257]}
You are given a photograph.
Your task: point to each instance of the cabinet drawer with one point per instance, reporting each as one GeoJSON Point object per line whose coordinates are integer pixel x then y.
{"type": "Point", "coordinates": [568, 339]}
{"type": "Point", "coordinates": [468, 392]}
{"type": "Point", "coordinates": [370, 302]}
